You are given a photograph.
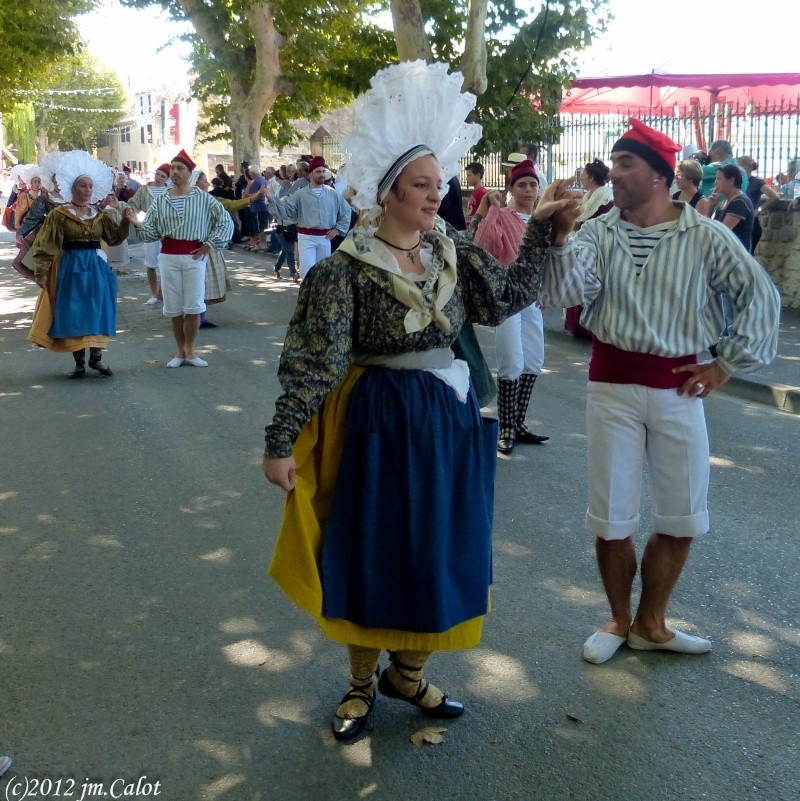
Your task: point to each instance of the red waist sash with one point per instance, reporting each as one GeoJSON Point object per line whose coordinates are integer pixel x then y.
{"type": "Point", "coordinates": [179, 247]}
{"type": "Point", "coordinates": [612, 365]}
{"type": "Point", "coordinates": [312, 231]}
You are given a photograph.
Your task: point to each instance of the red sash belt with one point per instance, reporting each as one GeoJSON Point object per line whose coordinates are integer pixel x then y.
{"type": "Point", "coordinates": [312, 231]}
{"type": "Point", "coordinates": [615, 366]}
{"type": "Point", "coordinates": [179, 247]}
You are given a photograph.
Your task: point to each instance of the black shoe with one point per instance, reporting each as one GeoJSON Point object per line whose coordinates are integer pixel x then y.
{"type": "Point", "coordinates": [350, 728]}
{"type": "Point", "coordinates": [277, 274]}
{"type": "Point", "coordinates": [78, 372]}
{"type": "Point", "coordinates": [207, 324]}
{"type": "Point", "coordinates": [527, 437]}
{"type": "Point", "coordinates": [505, 445]}
{"type": "Point", "coordinates": [446, 709]}
{"type": "Point", "coordinates": [95, 364]}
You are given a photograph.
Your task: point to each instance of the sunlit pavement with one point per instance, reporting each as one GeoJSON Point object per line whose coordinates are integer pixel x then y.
{"type": "Point", "coordinates": [140, 636]}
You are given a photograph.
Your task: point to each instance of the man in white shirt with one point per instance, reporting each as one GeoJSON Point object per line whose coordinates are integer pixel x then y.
{"type": "Point", "coordinates": [321, 214]}
{"type": "Point", "coordinates": [649, 274]}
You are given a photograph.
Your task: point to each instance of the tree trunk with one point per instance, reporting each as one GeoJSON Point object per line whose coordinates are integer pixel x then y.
{"type": "Point", "coordinates": [473, 61]}
{"type": "Point", "coordinates": [249, 101]}
{"type": "Point", "coordinates": [409, 31]}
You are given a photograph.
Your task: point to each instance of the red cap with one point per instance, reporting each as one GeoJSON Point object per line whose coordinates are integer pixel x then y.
{"type": "Point", "coordinates": [163, 168]}
{"type": "Point", "coordinates": [125, 168]}
{"type": "Point", "coordinates": [184, 158]}
{"type": "Point", "coordinates": [656, 148]}
{"type": "Point", "coordinates": [317, 161]}
{"type": "Point", "coordinates": [523, 170]}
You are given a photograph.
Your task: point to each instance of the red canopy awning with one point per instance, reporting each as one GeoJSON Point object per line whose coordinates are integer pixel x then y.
{"type": "Point", "coordinates": [657, 92]}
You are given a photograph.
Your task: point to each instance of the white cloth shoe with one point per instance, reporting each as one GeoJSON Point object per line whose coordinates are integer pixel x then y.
{"type": "Point", "coordinates": [5, 764]}
{"type": "Point", "coordinates": [176, 362]}
{"type": "Point", "coordinates": [152, 302]}
{"type": "Point", "coordinates": [681, 643]}
{"type": "Point", "coordinates": [196, 362]}
{"type": "Point", "coordinates": [601, 646]}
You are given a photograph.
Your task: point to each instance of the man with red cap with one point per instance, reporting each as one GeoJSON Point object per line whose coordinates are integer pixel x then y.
{"type": "Point", "coordinates": [320, 212]}
{"type": "Point", "coordinates": [190, 223]}
{"type": "Point", "coordinates": [649, 275]}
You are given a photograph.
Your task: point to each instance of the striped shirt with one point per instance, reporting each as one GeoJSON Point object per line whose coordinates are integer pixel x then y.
{"type": "Point", "coordinates": [324, 211]}
{"type": "Point", "coordinates": [642, 241]}
{"type": "Point", "coordinates": [202, 219]}
{"type": "Point", "coordinates": [672, 308]}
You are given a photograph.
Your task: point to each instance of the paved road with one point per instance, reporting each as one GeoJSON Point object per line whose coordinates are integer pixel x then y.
{"type": "Point", "coordinates": [139, 635]}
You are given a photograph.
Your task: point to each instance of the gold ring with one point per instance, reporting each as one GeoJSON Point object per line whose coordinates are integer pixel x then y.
{"type": "Point", "coordinates": [700, 386]}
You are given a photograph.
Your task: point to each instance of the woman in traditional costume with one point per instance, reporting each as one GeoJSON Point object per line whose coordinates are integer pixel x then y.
{"type": "Point", "coordinates": [378, 437]}
{"type": "Point", "coordinates": [519, 339]}
{"type": "Point", "coordinates": [141, 202]}
{"type": "Point", "coordinates": [76, 308]}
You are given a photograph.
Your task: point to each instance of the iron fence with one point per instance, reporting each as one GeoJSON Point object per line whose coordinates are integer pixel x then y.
{"type": "Point", "coordinates": [769, 133]}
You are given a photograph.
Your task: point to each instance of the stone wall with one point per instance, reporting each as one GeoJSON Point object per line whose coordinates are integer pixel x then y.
{"type": "Point", "coordinates": [779, 250]}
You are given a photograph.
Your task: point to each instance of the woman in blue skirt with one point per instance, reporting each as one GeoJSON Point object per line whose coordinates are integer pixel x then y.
{"type": "Point", "coordinates": [77, 306]}
{"type": "Point", "coordinates": [378, 436]}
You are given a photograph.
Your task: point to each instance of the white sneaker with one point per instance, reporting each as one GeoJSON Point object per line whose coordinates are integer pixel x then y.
{"type": "Point", "coordinates": [196, 362]}
{"type": "Point", "coordinates": [152, 302]}
{"type": "Point", "coordinates": [176, 362]}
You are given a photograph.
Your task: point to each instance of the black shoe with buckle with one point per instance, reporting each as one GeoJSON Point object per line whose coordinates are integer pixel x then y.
{"type": "Point", "coordinates": [505, 445]}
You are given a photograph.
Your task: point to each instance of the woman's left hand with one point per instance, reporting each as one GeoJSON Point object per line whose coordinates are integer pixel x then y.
{"type": "Point", "coordinates": [702, 380]}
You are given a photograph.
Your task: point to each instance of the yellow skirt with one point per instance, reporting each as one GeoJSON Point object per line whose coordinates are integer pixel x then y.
{"type": "Point", "coordinates": [298, 551]}
{"type": "Point", "coordinates": [43, 320]}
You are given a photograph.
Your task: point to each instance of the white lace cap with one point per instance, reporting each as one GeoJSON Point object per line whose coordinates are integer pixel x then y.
{"type": "Point", "coordinates": [76, 163]}
{"type": "Point", "coordinates": [26, 172]}
{"type": "Point", "coordinates": [48, 166]}
{"type": "Point", "coordinates": [411, 109]}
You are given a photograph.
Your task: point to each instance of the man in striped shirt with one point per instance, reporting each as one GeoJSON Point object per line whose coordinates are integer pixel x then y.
{"type": "Point", "coordinates": [321, 214]}
{"type": "Point", "coordinates": [190, 223]}
{"type": "Point", "coordinates": [649, 275]}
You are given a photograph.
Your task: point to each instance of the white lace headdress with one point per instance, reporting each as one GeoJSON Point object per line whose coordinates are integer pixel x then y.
{"type": "Point", "coordinates": [48, 165]}
{"type": "Point", "coordinates": [26, 172]}
{"type": "Point", "coordinates": [411, 109]}
{"type": "Point", "coordinates": [76, 163]}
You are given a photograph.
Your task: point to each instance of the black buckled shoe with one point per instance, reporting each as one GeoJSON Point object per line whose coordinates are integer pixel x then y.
{"type": "Point", "coordinates": [527, 437]}
{"type": "Point", "coordinates": [446, 709]}
{"type": "Point", "coordinates": [78, 372]}
{"type": "Point", "coordinates": [505, 445]}
{"type": "Point", "coordinates": [349, 728]}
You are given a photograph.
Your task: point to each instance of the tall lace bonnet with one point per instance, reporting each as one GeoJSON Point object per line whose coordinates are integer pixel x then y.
{"type": "Point", "coordinates": [411, 109]}
{"type": "Point", "coordinates": [77, 163]}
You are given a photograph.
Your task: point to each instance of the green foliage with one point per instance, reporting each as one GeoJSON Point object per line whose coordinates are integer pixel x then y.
{"type": "Point", "coordinates": [329, 53]}
{"type": "Point", "coordinates": [36, 33]}
{"type": "Point", "coordinates": [21, 131]}
{"type": "Point", "coordinates": [531, 58]}
{"type": "Point", "coordinates": [80, 101]}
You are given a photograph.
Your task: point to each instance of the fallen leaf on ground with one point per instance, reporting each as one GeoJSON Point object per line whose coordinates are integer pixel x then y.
{"type": "Point", "coordinates": [430, 734]}
{"type": "Point", "coordinates": [573, 718]}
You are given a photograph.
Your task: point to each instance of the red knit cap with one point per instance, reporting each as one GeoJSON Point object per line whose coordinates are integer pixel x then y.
{"type": "Point", "coordinates": [184, 158]}
{"type": "Point", "coordinates": [163, 168]}
{"type": "Point", "coordinates": [657, 149]}
{"type": "Point", "coordinates": [125, 168]}
{"type": "Point", "coordinates": [524, 169]}
{"type": "Point", "coordinates": [317, 161]}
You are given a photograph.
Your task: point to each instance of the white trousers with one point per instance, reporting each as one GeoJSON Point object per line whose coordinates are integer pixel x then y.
{"type": "Point", "coordinates": [628, 423]}
{"type": "Point", "coordinates": [151, 251]}
{"type": "Point", "coordinates": [519, 341]}
{"type": "Point", "coordinates": [183, 284]}
{"type": "Point", "coordinates": [310, 249]}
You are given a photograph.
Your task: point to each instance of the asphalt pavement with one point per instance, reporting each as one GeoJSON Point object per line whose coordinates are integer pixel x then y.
{"type": "Point", "coordinates": [141, 640]}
